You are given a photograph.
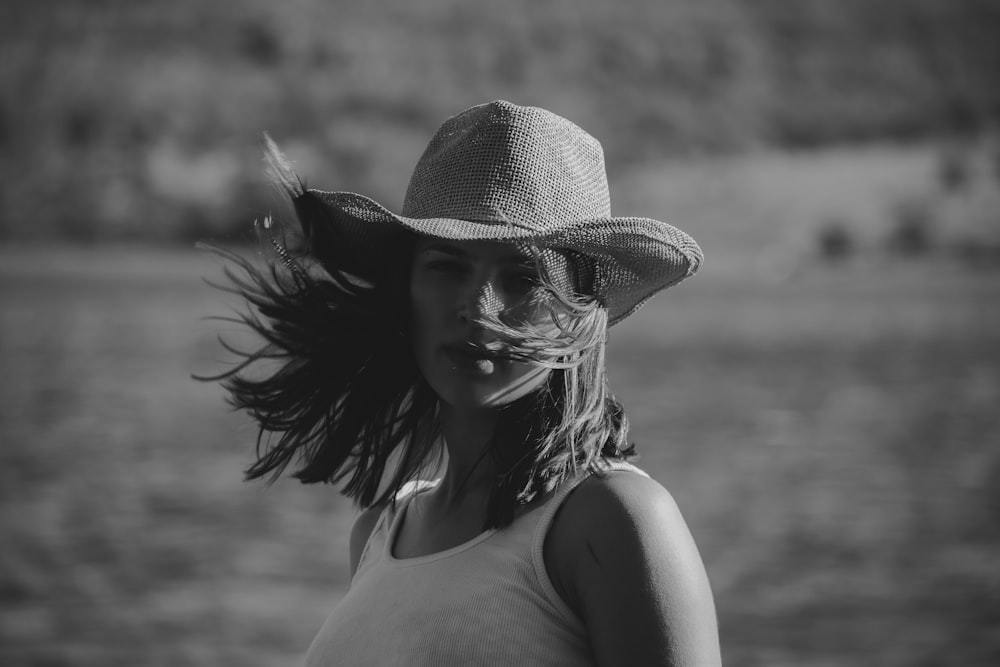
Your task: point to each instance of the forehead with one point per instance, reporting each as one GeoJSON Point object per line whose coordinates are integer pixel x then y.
{"type": "Point", "coordinates": [475, 250]}
{"type": "Point", "coordinates": [567, 272]}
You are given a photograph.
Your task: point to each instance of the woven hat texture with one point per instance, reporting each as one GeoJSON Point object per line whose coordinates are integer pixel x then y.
{"type": "Point", "coordinates": [512, 174]}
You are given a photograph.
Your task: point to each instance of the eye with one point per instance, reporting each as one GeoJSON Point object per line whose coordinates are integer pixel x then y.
{"type": "Point", "coordinates": [522, 282]}
{"type": "Point", "coordinates": [445, 267]}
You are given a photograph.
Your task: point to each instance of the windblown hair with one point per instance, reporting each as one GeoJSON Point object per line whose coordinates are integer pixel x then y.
{"type": "Point", "coordinates": [343, 397]}
{"type": "Point", "coordinates": [335, 388]}
{"type": "Point", "coordinates": [573, 422]}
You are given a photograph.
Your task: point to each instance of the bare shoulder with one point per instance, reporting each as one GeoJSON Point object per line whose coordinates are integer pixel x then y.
{"type": "Point", "coordinates": [360, 532]}
{"type": "Point", "coordinates": [623, 558]}
{"type": "Point", "coordinates": [624, 499]}
{"type": "Point", "coordinates": [620, 508]}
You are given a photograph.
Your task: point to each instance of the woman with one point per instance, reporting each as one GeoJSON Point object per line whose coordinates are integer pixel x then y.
{"type": "Point", "coordinates": [466, 336]}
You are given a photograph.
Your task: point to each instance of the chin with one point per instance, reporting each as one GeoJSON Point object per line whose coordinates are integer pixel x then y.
{"type": "Point", "coordinates": [483, 401]}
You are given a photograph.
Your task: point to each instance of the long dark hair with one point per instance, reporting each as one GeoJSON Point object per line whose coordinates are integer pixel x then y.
{"type": "Point", "coordinates": [335, 387]}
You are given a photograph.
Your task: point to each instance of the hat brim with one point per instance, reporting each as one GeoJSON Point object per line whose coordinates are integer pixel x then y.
{"type": "Point", "coordinates": [634, 257]}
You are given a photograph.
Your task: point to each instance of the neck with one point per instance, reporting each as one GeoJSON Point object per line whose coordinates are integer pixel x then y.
{"type": "Point", "coordinates": [470, 471]}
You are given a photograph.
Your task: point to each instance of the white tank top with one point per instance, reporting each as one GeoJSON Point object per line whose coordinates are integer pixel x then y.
{"type": "Point", "coordinates": [488, 601]}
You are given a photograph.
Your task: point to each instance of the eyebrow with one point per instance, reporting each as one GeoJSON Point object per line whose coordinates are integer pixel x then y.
{"type": "Point", "coordinates": [446, 248]}
{"type": "Point", "coordinates": [456, 250]}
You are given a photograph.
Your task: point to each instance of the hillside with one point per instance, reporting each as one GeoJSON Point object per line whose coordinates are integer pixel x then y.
{"type": "Point", "coordinates": [141, 119]}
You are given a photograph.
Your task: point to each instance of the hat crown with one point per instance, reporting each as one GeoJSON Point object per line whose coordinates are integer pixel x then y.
{"type": "Point", "coordinates": [504, 163]}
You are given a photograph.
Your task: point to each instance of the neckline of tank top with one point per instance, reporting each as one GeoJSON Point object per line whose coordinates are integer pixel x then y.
{"type": "Point", "coordinates": [400, 515]}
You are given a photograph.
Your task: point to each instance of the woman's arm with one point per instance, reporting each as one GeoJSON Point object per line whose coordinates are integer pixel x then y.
{"type": "Point", "coordinates": [622, 557]}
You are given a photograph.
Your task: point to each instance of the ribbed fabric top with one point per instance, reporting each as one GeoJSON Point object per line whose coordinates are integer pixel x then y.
{"type": "Point", "coordinates": [488, 601]}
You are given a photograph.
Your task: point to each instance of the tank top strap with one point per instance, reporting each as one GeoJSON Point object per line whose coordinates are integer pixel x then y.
{"type": "Point", "coordinates": [413, 488]}
{"type": "Point", "coordinates": [407, 492]}
{"type": "Point", "coordinates": [607, 464]}
{"type": "Point", "coordinates": [545, 523]}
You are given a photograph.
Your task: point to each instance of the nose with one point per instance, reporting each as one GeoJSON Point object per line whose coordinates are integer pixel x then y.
{"type": "Point", "coordinates": [482, 300]}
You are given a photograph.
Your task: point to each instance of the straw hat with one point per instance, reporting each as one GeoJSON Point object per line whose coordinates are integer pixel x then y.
{"type": "Point", "coordinates": [507, 173]}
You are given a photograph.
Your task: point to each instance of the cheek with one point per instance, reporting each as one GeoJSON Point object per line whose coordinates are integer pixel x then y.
{"type": "Point", "coordinates": [425, 319]}
{"type": "Point", "coordinates": [523, 380]}
{"type": "Point", "coordinates": [416, 323]}
{"type": "Point", "coordinates": [537, 311]}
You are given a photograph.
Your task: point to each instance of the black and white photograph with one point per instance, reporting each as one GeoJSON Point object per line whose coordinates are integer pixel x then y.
{"type": "Point", "coordinates": [438, 333]}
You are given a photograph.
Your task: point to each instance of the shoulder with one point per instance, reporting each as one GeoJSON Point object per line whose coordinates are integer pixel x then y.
{"type": "Point", "coordinates": [360, 532]}
{"type": "Point", "coordinates": [621, 499]}
{"type": "Point", "coordinates": [623, 558]}
{"type": "Point", "coordinates": [621, 515]}
{"type": "Point", "coordinates": [619, 504]}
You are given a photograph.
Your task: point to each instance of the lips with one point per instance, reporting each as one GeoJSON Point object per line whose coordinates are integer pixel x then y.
{"type": "Point", "coordinates": [471, 359]}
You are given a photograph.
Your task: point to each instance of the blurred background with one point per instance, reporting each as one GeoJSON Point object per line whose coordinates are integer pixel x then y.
{"type": "Point", "coordinates": [822, 399]}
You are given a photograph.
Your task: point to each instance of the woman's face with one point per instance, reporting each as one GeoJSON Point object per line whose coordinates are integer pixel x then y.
{"type": "Point", "coordinates": [452, 284]}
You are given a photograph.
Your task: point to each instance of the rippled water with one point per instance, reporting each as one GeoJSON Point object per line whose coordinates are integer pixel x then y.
{"type": "Point", "coordinates": [832, 440]}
